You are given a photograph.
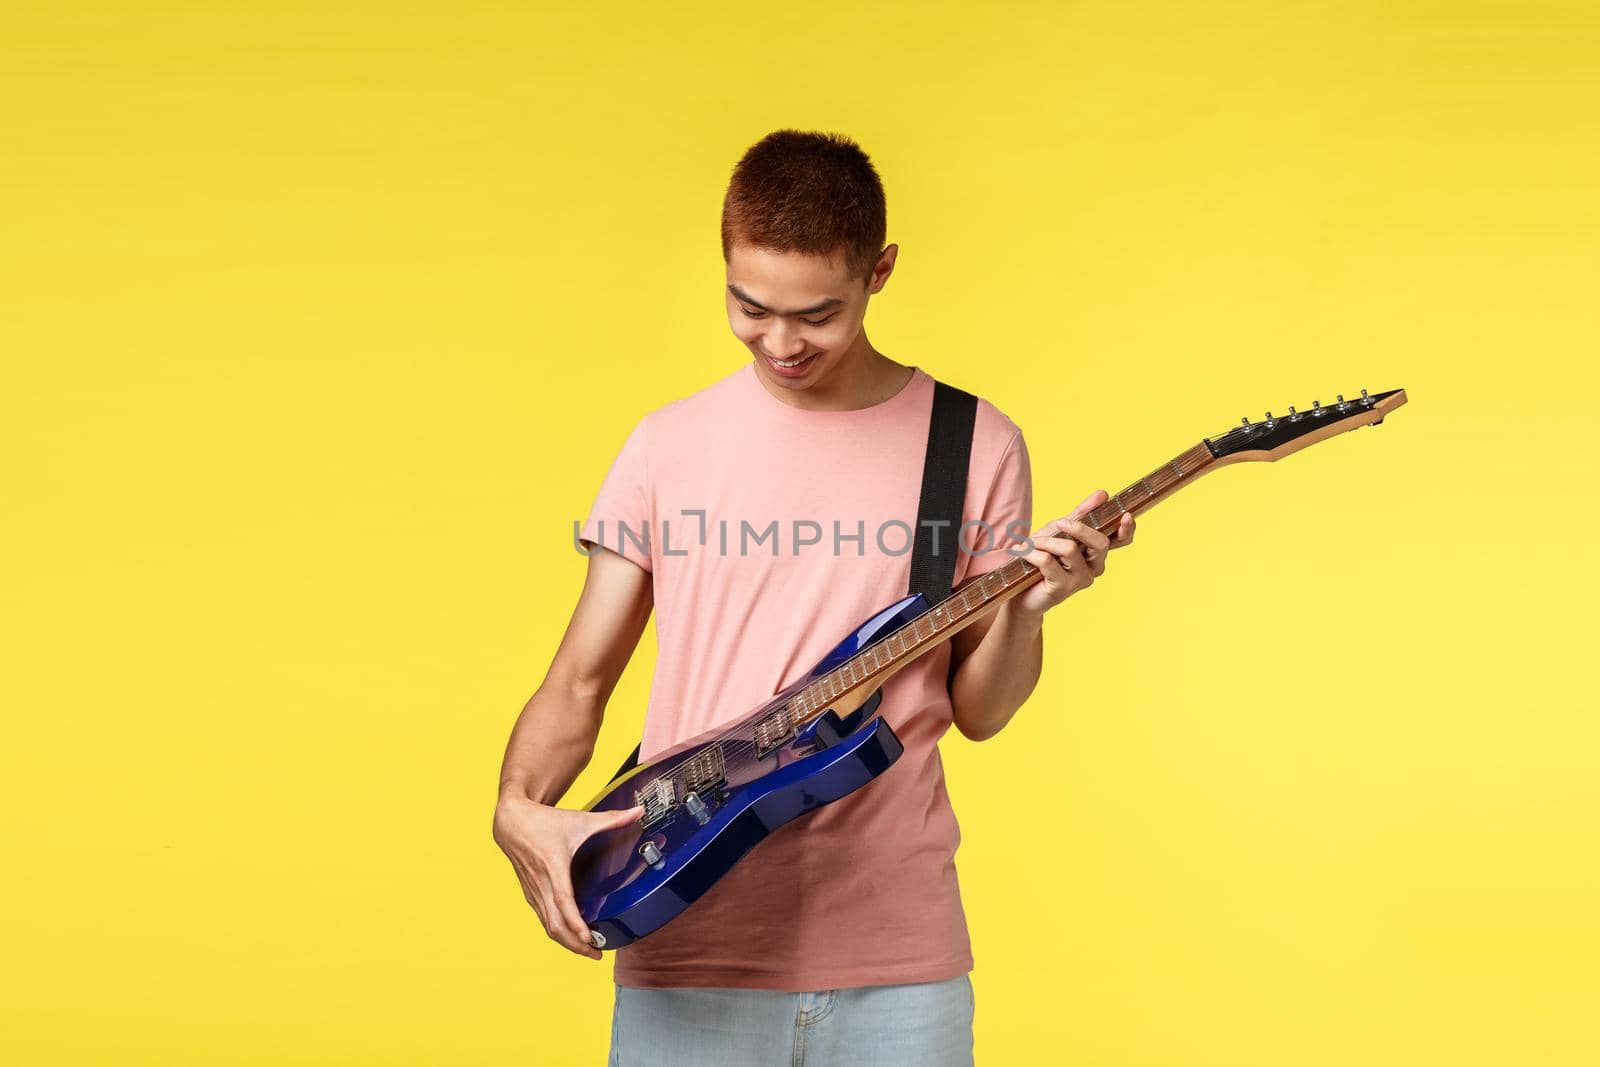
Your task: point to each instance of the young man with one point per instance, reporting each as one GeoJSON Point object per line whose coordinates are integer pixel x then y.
{"type": "Point", "coordinates": [775, 506]}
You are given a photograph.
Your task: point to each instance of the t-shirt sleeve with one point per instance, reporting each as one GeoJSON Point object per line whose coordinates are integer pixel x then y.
{"type": "Point", "coordinates": [619, 519]}
{"type": "Point", "coordinates": [1007, 513]}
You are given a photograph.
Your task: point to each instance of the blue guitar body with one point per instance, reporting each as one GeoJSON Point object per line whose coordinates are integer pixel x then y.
{"type": "Point", "coordinates": [711, 800]}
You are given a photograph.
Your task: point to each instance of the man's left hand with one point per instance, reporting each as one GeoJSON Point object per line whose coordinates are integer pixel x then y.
{"type": "Point", "coordinates": [1070, 554]}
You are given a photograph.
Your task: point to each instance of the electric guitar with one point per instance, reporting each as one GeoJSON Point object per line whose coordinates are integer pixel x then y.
{"type": "Point", "coordinates": [710, 800]}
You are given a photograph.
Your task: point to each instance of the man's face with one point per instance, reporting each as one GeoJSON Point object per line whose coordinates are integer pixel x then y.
{"type": "Point", "coordinates": [799, 315]}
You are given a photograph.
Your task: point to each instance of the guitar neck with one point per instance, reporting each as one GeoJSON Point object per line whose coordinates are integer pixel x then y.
{"type": "Point", "coordinates": [1152, 488]}
{"type": "Point", "coordinates": [976, 597]}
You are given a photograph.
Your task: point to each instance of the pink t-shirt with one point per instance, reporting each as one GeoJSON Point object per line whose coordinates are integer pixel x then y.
{"type": "Point", "coordinates": [772, 533]}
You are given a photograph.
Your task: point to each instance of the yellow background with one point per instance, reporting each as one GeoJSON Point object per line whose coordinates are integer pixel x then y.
{"type": "Point", "coordinates": [321, 323]}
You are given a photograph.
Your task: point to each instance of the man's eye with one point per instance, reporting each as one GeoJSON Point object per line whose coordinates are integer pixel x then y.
{"type": "Point", "coordinates": [763, 314]}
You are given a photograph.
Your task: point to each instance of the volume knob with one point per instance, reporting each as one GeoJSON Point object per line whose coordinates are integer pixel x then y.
{"type": "Point", "coordinates": [651, 852]}
{"type": "Point", "coordinates": [697, 808]}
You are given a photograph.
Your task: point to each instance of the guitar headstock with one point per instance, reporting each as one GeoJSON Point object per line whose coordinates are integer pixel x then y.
{"type": "Point", "coordinates": [1277, 436]}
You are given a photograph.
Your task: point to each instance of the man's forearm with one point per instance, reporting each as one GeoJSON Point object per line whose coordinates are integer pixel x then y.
{"type": "Point", "coordinates": [998, 676]}
{"type": "Point", "coordinates": [551, 743]}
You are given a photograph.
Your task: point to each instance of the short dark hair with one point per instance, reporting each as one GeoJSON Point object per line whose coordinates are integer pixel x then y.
{"type": "Point", "coordinates": [814, 193]}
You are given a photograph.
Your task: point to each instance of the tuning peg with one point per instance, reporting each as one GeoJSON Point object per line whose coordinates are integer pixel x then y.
{"type": "Point", "coordinates": [1271, 422]}
{"type": "Point", "coordinates": [1294, 416]}
{"type": "Point", "coordinates": [1342, 405]}
{"type": "Point", "coordinates": [1316, 408]}
{"type": "Point", "coordinates": [1245, 421]}
{"type": "Point", "coordinates": [1365, 399]}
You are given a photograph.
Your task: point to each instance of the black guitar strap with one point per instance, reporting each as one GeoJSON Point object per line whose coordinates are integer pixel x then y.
{"type": "Point", "coordinates": [944, 490]}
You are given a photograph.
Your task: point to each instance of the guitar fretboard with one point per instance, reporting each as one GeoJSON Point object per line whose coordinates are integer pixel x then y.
{"type": "Point", "coordinates": [977, 596]}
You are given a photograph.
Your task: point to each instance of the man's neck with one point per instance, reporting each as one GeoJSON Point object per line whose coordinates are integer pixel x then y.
{"type": "Point", "coordinates": [863, 378]}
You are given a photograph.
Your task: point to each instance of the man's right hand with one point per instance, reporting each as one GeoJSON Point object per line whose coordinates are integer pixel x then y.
{"type": "Point", "coordinates": [540, 841]}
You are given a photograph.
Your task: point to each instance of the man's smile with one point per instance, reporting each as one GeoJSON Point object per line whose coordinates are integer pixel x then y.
{"type": "Point", "coordinates": [791, 368]}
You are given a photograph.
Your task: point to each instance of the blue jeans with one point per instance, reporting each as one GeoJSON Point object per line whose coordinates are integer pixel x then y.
{"type": "Point", "coordinates": [927, 1024]}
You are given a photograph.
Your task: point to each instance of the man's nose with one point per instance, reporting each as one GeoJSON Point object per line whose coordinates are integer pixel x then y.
{"type": "Point", "coordinates": [784, 341]}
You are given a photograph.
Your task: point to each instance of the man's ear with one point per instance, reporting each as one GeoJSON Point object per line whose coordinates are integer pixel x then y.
{"type": "Point", "coordinates": [882, 269]}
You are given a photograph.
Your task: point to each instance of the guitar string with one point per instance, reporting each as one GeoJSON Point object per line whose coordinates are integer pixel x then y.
{"type": "Point", "coordinates": [741, 746]}
{"type": "Point", "coordinates": [1185, 464]}
{"type": "Point", "coordinates": [734, 749]}
{"type": "Point", "coordinates": [840, 674]}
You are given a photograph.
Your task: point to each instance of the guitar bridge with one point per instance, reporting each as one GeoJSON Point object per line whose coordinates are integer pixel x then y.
{"type": "Point", "coordinates": [658, 799]}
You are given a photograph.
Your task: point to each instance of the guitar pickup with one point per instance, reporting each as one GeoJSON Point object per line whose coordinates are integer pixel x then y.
{"type": "Point", "coordinates": [705, 770]}
{"type": "Point", "coordinates": [772, 732]}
